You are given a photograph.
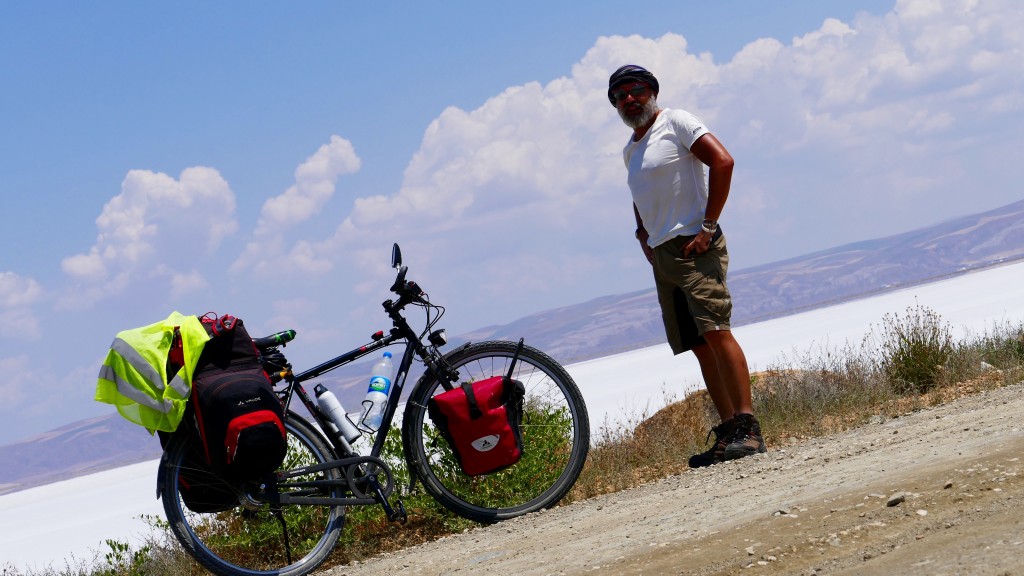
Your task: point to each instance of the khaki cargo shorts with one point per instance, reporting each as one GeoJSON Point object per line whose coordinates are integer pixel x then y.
{"type": "Point", "coordinates": [701, 281]}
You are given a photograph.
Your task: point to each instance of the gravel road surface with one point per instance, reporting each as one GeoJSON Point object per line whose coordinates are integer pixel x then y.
{"type": "Point", "coordinates": [937, 491]}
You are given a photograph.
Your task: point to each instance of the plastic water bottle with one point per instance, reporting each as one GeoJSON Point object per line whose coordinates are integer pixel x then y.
{"type": "Point", "coordinates": [332, 408]}
{"type": "Point", "coordinates": [377, 393]}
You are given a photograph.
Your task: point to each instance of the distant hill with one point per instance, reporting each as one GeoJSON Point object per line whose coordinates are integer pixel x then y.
{"type": "Point", "coordinates": [76, 449]}
{"type": "Point", "coordinates": [624, 322]}
{"type": "Point", "coordinates": [607, 325]}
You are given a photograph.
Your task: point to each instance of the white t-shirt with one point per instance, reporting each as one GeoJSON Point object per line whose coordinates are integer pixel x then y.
{"type": "Point", "coordinates": [667, 181]}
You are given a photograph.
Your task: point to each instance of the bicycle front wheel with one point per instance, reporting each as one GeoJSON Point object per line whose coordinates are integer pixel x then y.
{"type": "Point", "coordinates": [555, 431]}
{"type": "Point", "coordinates": [244, 537]}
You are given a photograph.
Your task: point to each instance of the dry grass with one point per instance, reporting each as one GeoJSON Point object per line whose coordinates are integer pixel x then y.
{"type": "Point", "coordinates": [815, 394]}
{"type": "Point", "coordinates": [656, 447]}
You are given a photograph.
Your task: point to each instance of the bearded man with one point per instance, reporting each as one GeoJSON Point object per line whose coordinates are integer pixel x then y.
{"type": "Point", "coordinates": [677, 212]}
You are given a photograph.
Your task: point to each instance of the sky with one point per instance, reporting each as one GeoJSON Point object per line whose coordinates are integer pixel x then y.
{"type": "Point", "coordinates": [193, 157]}
{"type": "Point", "coordinates": [39, 531]}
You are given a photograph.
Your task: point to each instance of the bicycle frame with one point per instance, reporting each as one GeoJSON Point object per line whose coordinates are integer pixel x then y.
{"type": "Point", "coordinates": [414, 347]}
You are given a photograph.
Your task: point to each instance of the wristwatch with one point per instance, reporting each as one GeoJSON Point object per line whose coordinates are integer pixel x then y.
{"type": "Point", "coordinates": [709, 226]}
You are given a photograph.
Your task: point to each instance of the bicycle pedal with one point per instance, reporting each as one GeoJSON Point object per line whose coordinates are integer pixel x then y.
{"type": "Point", "coordinates": [398, 513]}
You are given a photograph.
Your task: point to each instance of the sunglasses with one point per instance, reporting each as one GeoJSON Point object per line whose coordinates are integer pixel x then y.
{"type": "Point", "coordinates": [636, 91]}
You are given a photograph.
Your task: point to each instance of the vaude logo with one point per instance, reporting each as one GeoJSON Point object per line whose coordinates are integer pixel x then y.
{"type": "Point", "coordinates": [249, 401]}
{"type": "Point", "coordinates": [486, 443]}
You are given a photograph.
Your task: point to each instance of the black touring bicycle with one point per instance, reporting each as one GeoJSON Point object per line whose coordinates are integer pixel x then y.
{"type": "Point", "coordinates": [288, 524]}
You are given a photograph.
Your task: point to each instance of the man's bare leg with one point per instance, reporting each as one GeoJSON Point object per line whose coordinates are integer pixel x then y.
{"type": "Point", "coordinates": [713, 382]}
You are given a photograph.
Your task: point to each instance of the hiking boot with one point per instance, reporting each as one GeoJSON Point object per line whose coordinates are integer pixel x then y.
{"type": "Point", "coordinates": [723, 436]}
{"type": "Point", "coordinates": [747, 440]}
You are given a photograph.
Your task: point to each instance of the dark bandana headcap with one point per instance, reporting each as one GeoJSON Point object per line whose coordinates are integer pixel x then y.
{"type": "Point", "coordinates": [631, 73]}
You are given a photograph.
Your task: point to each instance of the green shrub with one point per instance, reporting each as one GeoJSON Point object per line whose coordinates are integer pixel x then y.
{"type": "Point", "coordinates": [1002, 347]}
{"type": "Point", "coordinates": [914, 348]}
{"type": "Point", "coordinates": [124, 560]}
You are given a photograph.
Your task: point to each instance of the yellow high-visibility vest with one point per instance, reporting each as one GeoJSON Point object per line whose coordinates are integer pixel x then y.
{"type": "Point", "coordinates": [134, 375]}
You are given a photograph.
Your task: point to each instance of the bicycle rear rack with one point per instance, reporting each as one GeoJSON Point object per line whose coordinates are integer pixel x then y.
{"type": "Point", "coordinates": [515, 358]}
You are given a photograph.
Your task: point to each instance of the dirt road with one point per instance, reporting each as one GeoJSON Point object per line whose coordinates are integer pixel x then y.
{"type": "Point", "coordinates": [939, 491]}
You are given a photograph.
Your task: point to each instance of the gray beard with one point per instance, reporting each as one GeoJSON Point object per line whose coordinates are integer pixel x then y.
{"type": "Point", "coordinates": [641, 120]}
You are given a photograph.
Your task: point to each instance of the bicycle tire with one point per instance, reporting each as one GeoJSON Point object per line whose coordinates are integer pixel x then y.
{"type": "Point", "coordinates": [246, 540]}
{"type": "Point", "coordinates": [555, 430]}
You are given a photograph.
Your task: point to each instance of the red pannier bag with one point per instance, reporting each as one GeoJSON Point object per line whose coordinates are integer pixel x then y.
{"type": "Point", "coordinates": [480, 421]}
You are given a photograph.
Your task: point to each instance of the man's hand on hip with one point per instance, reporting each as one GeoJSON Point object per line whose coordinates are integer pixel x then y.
{"type": "Point", "coordinates": [699, 245]}
{"type": "Point", "coordinates": [642, 236]}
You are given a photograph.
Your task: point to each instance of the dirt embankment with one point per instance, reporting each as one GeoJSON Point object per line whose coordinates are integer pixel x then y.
{"type": "Point", "coordinates": [940, 491]}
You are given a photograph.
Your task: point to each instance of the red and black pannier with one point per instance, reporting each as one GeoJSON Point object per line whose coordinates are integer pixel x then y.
{"type": "Point", "coordinates": [234, 417]}
{"type": "Point", "coordinates": [480, 421]}
{"type": "Point", "coordinates": [237, 415]}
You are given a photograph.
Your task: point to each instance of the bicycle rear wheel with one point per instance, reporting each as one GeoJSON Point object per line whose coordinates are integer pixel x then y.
{"type": "Point", "coordinates": [247, 538]}
{"type": "Point", "coordinates": [555, 431]}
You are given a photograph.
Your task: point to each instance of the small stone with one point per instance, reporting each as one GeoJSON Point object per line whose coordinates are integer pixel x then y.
{"type": "Point", "coordinates": [922, 512]}
{"type": "Point", "coordinates": [897, 498]}
{"type": "Point", "coordinates": [947, 485]}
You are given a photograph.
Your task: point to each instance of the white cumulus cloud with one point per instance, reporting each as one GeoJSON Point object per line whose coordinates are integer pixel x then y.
{"type": "Point", "coordinates": [315, 180]}
{"type": "Point", "coordinates": [18, 295]}
{"type": "Point", "coordinates": [13, 390]}
{"type": "Point", "coordinates": [157, 225]}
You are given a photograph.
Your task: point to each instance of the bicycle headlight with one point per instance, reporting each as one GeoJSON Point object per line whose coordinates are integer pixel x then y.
{"type": "Point", "coordinates": [438, 337]}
